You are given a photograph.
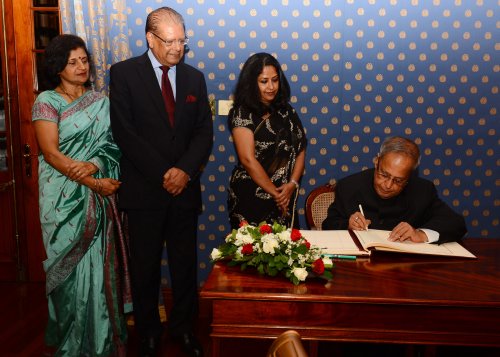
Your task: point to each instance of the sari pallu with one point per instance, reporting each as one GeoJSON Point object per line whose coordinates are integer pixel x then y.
{"type": "Point", "coordinates": [84, 242]}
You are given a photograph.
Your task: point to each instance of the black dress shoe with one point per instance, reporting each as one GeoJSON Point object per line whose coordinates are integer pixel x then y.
{"type": "Point", "coordinates": [190, 345]}
{"type": "Point", "coordinates": [149, 347]}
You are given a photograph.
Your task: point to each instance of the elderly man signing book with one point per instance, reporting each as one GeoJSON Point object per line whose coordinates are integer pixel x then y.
{"type": "Point", "coordinates": [392, 197]}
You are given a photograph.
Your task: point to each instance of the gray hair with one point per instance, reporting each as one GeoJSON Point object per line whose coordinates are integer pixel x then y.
{"type": "Point", "coordinates": [402, 146]}
{"type": "Point", "coordinates": [163, 14]}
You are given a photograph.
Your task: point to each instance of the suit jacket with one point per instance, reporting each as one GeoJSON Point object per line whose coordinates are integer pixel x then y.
{"type": "Point", "coordinates": [149, 145]}
{"type": "Point", "coordinates": [418, 204]}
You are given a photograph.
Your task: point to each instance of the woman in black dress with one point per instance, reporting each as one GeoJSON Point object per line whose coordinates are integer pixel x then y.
{"type": "Point", "coordinates": [270, 143]}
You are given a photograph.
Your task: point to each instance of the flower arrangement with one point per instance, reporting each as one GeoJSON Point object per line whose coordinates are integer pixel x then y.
{"type": "Point", "coordinates": [273, 249]}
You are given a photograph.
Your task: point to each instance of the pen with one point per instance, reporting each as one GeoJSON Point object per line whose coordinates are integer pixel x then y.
{"type": "Point", "coordinates": [340, 256]}
{"type": "Point", "coordinates": [361, 209]}
{"type": "Point", "coordinates": [363, 213]}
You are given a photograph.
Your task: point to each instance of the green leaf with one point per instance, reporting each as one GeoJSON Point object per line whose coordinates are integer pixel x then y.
{"type": "Point", "coordinates": [272, 272]}
{"type": "Point", "coordinates": [260, 268]}
{"type": "Point", "coordinates": [301, 249]}
{"type": "Point", "coordinates": [327, 275]}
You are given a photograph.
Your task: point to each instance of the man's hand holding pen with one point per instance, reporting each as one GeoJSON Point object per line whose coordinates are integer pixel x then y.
{"type": "Point", "coordinates": [358, 222]}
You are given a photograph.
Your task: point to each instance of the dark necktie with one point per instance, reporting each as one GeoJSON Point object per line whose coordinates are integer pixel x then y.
{"type": "Point", "coordinates": [168, 95]}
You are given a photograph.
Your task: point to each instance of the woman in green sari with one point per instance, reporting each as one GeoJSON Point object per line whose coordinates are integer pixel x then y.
{"type": "Point", "coordinates": [86, 264]}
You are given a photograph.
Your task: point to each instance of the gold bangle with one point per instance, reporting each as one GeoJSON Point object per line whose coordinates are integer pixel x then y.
{"type": "Point", "coordinates": [297, 186]}
{"type": "Point", "coordinates": [99, 190]}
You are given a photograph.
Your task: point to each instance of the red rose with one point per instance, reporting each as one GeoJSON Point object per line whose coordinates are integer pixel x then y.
{"type": "Point", "coordinates": [307, 244]}
{"type": "Point", "coordinates": [243, 223]}
{"type": "Point", "coordinates": [296, 235]}
{"type": "Point", "coordinates": [247, 249]}
{"type": "Point", "coordinates": [318, 266]}
{"type": "Point", "coordinates": [266, 229]}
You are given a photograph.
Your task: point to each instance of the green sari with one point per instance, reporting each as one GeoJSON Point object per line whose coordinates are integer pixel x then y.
{"type": "Point", "coordinates": [86, 250]}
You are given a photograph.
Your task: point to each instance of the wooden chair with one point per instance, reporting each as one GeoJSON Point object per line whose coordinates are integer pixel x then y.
{"type": "Point", "coordinates": [317, 203]}
{"type": "Point", "coordinates": [288, 344]}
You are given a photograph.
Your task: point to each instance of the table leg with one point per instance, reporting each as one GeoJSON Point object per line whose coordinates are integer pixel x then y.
{"type": "Point", "coordinates": [215, 341]}
{"type": "Point", "coordinates": [313, 348]}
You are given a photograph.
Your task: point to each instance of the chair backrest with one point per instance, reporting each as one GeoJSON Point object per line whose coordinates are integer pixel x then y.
{"type": "Point", "coordinates": [288, 344]}
{"type": "Point", "coordinates": [317, 203]}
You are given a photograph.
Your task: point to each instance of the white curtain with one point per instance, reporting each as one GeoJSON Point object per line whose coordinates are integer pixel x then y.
{"type": "Point", "coordinates": [103, 25]}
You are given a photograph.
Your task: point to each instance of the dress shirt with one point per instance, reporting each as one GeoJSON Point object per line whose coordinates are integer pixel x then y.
{"type": "Point", "coordinates": [432, 236]}
{"type": "Point", "coordinates": [158, 71]}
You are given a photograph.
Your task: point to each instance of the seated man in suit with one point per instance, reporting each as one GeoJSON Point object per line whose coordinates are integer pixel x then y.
{"type": "Point", "coordinates": [392, 197]}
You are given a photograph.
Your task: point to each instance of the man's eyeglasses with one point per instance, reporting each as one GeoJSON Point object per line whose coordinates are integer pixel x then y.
{"type": "Point", "coordinates": [170, 43]}
{"type": "Point", "coordinates": [384, 176]}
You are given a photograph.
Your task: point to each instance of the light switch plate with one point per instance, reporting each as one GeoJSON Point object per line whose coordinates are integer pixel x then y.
{"type": "Point", "coordinates": [224, 106]}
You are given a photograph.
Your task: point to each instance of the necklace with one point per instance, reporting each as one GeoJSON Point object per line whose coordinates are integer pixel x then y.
{"type": "Point", "coordinates": [71, 97]}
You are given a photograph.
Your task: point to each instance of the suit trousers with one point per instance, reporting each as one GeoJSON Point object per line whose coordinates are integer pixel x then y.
{"type": "Point", "coordinates": [148, 231]}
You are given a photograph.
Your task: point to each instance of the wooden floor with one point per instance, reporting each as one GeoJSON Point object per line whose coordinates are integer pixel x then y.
{"type": "Point", "coordinates": [23, 312]}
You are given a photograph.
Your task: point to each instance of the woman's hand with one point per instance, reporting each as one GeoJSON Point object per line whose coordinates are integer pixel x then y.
{"type": "Point", "coordinates": [77, 170]}
{"type": "Point", "coordinates": [284, 195]}
{"type": "Point", "coordinates": [106, 186]}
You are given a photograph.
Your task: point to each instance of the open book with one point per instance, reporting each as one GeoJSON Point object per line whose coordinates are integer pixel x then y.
{"type": "Point", "coordinates": [341, 242]}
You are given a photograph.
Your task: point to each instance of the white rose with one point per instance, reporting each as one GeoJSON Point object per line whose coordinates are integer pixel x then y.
{"type": "Point", "coordinates": [242, 239]}
{"type": "Point", "coordinates": [300, 273]}
{"type": "Point", "coordinates": [284, 236]}
{"type": "Point", "coordinates": [215, 255]}
{"type": "Point", "coordinates": [238, 253]}
{"type": "Point", "coordinates": [269, 243]}
{"type": "Point", "coordinates": [244, 229]}
{"type": "Point", "coordinates": [327, 261]}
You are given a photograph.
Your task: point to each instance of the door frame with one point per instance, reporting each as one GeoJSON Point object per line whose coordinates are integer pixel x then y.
{"type": "Point", "coordinates": [14, 259]}
{"type": "Point", "coordinates": [20, 72]}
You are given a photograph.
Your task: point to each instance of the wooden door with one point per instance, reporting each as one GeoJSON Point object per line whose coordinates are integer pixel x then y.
{"type": "Point", "coordinates": [9, 265]}
{"type": "Point", "coordinates": [12, 257]}
{"type": "Point", "coordinates": [28, 27]}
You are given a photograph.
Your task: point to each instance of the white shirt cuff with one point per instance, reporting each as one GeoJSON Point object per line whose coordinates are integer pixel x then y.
{"type": "Point", "coordinates": [432, 236]}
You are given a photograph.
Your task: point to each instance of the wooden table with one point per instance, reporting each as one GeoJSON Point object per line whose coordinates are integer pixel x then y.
{"type": "Point", "coordinates": [390, 298]}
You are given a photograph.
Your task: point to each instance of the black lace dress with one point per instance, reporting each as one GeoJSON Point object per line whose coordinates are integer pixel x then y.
{"type": "Point", "coordinates": [279, 139]}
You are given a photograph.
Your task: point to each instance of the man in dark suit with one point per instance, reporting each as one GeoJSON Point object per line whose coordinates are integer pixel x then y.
{"type": "Point", "coordinates": [392, 197]}
{"type": "Point", "coordinates": [164, 150]}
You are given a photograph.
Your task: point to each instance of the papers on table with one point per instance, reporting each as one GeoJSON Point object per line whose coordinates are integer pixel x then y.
{"type": "Point", "coordinates": [334, 242]}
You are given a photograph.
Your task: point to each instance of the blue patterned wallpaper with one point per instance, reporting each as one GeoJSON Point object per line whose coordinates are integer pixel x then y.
{"type": "Point", "coordinates": [359, 71]}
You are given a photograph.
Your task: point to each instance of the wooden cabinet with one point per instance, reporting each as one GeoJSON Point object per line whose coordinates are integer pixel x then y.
{"type": "Point", "coordinates": [26, 28]}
